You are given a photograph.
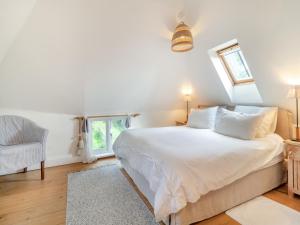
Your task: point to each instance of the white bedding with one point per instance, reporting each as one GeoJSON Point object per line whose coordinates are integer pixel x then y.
{"type": "Point", "coordinates": [181, 164]}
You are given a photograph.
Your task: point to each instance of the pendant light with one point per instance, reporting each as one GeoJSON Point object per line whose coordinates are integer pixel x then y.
{"type": "Point", "coordinates": [182, 39]}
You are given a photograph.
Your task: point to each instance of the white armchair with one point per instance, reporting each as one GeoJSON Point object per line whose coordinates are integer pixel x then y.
{"type": "Point", "coordinates": [22, 144]}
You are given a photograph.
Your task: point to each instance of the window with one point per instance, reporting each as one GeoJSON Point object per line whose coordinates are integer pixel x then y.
{"type": "Point", "coordinates": [235, 64]}
{"type": "Point", "coordinates": [104, 132]}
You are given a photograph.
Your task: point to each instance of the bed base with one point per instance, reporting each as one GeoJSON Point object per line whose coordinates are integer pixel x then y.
{"type": "Point", "coordinates": [216, 202]}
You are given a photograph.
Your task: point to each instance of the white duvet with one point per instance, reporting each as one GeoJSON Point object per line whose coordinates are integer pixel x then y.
{"type": "Point", "coordinates": [181, 164]}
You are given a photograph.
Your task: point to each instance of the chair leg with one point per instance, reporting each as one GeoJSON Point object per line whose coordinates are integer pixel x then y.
{"type": "Point", "coordinates": [25, 170]}
{"type": "Point", "coordinates": [42, 170]}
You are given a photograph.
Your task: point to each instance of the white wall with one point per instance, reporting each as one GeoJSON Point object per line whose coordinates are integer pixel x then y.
{"type": "Point", "coordinates": [13, 15]}
{"type": "Point", "coordinates": [94, 57]}
{"type": "Point", "coordinates": [246, 94]}
{"type": "Point", "coordinates": [114, 56]}
{"type": "Point", "coordinates": [158, 118]}
{"type": "Point", "coordinates": [268, 34]}
{"type": "Point", "coordinates": [40, 70]}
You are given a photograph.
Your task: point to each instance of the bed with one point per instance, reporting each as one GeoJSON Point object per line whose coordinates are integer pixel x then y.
{"type": "Point", "coordinates": [164, 164]}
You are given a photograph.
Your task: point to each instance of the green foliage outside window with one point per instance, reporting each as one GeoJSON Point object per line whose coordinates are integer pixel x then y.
{"type": "Point", "coordinates": [117, 126]}
{"type": "Point", "coordinates": [99, 133]}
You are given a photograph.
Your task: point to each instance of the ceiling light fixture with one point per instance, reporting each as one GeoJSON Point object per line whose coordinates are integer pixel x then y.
{"type": "Point", "coordinates": [182, 39]}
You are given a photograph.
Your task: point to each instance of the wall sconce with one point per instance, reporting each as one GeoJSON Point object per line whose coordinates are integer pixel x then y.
{"type": "Point", "coordinates": [182, 39]}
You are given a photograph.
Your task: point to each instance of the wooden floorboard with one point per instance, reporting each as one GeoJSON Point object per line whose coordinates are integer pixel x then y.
{"type": "Point", "coordinates": [26, 200]}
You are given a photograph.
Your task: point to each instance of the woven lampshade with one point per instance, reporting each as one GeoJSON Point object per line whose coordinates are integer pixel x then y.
{"type": "Point", "coordinates": [182, 39]}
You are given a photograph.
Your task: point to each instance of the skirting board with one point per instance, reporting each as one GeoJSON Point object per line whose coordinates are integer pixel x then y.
{"type": "Point", "coordinates": [64, 160]}
{"type": "Point", "coordinates": [55, 161]}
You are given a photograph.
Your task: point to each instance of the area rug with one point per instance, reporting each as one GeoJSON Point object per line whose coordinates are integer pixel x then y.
{"type": "Point", "coordinates": [264, 211]}
{"type": "Point", "coordinates": [103, 196]}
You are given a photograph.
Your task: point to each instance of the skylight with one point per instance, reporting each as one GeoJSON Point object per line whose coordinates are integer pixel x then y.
{"type": "Point", "coordinates": [235, 64]}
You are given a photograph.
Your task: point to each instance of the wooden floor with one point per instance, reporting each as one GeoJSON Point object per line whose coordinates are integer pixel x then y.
{"type": "Point", "coordinates": [26, 200]}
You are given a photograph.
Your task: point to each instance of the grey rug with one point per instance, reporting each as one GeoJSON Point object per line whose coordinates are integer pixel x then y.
{"type": "Point", "coordinates": [103, 196]}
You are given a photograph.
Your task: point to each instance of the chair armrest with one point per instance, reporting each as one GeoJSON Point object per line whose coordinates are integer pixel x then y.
{"type": "Point", "coordinates": [34, 133]}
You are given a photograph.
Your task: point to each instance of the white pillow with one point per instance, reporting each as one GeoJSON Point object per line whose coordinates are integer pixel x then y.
{"type": "Point", "coordinates": [203, 118]}
{"type": "Point", "coordinates": [269, 121]}
{"type": "Point", "coordinates": [236, 124]}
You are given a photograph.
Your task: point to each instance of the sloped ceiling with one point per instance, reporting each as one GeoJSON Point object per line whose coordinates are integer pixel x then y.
{"type": "Point", "coordinates": [97, 56]}
{"type": "Point", "coordinates": [267, 33]}
{"type": "Point", "coordinates": [13, 16]}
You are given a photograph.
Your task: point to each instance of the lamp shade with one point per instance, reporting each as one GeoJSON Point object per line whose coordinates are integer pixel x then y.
{"type": "Point", "coordinates": [182, 39]}
{"type": "Point", "coordinates": [187, 92]}
{"type": "Point", "coordinates": [294, 92]}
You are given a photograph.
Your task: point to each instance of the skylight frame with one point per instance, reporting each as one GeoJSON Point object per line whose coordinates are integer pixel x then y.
{"type": "Point", "coordinates": [229, 49]}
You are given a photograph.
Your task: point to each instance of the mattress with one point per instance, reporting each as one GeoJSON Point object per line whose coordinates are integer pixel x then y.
{"type": "Point", "coordinates": [218, 201]}
{"type": "Point", "coordinates": [276, 159]}
{"type": "Point", "coordinates": [183, 164]}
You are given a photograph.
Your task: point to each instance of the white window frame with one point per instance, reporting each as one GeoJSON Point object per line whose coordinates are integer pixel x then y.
{"type": "Point", "coordinates": [227, 68]}
{"type": "Point", "coordinates": [108, 120]}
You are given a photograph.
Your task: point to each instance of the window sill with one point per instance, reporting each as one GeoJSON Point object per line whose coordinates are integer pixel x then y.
{"type": "Point", "coordinates": [105, 155]}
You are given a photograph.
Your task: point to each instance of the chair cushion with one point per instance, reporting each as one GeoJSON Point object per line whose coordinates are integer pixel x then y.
{"type": "Point", "coordinates": [15, 157]}
{"type": "Point", "coordinates": [21, 147]}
